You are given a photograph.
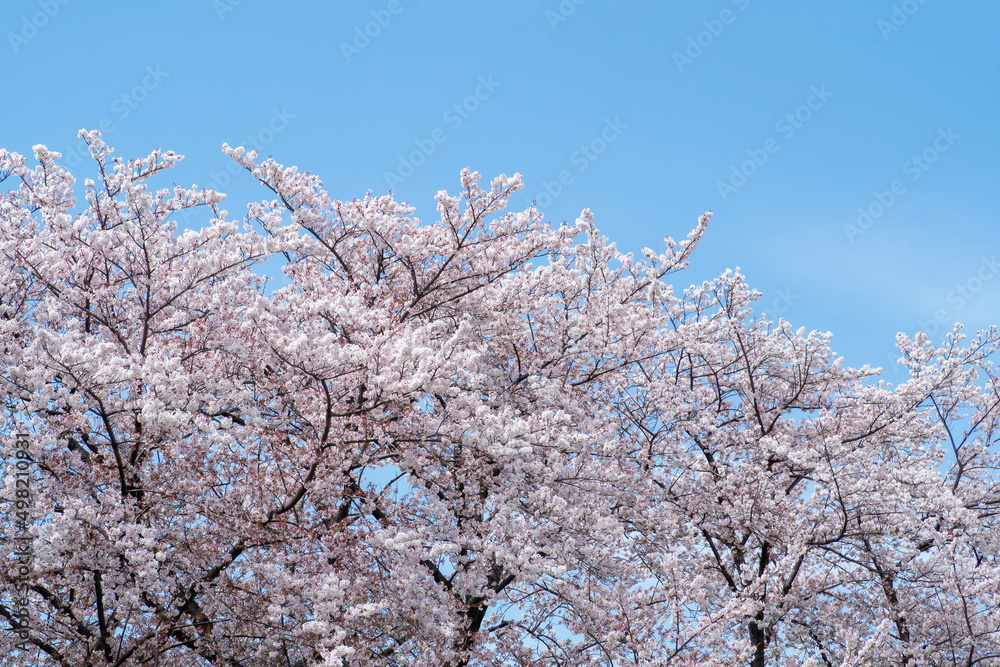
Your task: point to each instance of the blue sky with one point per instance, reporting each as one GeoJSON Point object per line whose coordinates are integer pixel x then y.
{"type": "Point", "coordinates": [783, 117]}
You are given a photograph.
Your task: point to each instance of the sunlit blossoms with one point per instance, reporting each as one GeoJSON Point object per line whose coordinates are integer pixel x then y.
{"type": "Point", "coordinates": [477, 440]}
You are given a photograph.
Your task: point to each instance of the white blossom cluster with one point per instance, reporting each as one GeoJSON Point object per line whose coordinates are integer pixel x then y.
{"type": "Point", "coordinates": [477, 440]}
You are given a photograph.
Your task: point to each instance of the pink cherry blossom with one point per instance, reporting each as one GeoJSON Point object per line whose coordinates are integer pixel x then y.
{"type": "Point", "coordinates": [477, 440]}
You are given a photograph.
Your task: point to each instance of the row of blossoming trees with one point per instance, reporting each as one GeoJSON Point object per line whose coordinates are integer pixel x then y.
{"type": "Point", "coordinates": [481, 440]}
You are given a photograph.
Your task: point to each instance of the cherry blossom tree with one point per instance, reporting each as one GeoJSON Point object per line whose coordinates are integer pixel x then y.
{"type": "Point", "coordinates": [481, 440]}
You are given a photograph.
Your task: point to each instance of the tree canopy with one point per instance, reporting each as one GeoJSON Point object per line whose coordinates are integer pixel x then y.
{"type": "Point", "coordinates": [478, 440]}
